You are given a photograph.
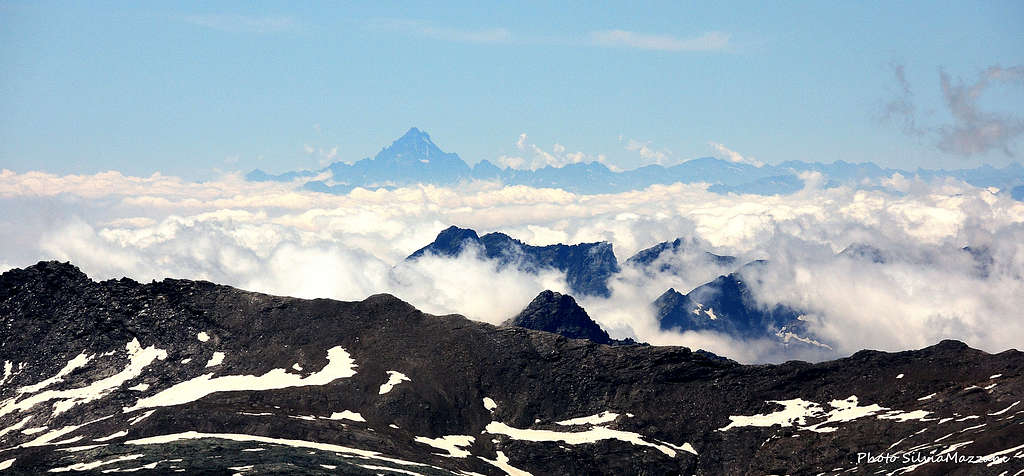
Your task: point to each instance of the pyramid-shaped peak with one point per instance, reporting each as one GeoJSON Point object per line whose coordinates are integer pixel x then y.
{"type": "Point", "coordinates": [414, 134]}
{"type": "Point", "coordinates": [416, 148]}
{"type": "Point", "coordinates": [560, 314]}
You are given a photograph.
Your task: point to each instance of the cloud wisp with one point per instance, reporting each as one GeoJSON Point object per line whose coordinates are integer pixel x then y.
{"type": "Point", "coordinates": [647, 151]}
{"type": "Point", "coordinates": [973, 130]}
{"type": "Point", "coordinates": [442, 33]}
{"type": "Point", "coordinates": [733, 156]}
{"type": "Point", "coordinates": [533, 157]}
{"type": "Point", "coordinates": [280, 239]}
{"type": "Point", "coordinates": [244, 23]}
{"type": "Point", "coordinates": [614, 38]}
{"type": "Point", "coordinates": [711, 41]}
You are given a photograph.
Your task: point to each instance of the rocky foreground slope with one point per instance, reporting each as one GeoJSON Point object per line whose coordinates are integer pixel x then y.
{"type": "Point", "coordinates": [184, 376]}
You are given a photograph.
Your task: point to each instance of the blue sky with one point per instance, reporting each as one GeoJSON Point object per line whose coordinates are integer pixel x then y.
{"type": "Point", "coordinates": [194, 88]}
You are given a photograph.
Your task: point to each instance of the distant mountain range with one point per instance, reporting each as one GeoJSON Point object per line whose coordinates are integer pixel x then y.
{"type": "Point", "coordinates": [414, 158]}
{"type": "Point", "coordinates": [723, 305]}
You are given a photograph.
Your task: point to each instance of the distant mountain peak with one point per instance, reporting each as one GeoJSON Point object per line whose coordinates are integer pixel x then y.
{"type": "Point", "coordinates": [414, 134]}
{"type": "Point", "coordinates": [560, 314]}
{"type": "Point", "coordinates": [414, 144]}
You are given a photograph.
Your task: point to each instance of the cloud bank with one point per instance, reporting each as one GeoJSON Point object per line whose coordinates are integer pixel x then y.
{"type": "Point", "coordinates": [276, 238]}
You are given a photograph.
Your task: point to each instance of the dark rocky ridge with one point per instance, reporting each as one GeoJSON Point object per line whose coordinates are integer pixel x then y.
{"type": "Point", "coordinates": [587, 266]}
{"type": "Point", "coordinates": [51, 312]}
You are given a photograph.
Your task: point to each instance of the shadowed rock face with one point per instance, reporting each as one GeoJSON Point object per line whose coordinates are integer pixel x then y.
{"type": "Point", "coordinates": [559, 314]}
{"type": "Point", "coordinates": [723, 305]}
{"type": "Point", "coordinates": [186, 375]}
{"type": "Point", "coordinates": [587, 266]}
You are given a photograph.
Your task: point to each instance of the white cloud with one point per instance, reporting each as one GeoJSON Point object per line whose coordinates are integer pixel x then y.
{"type": "Point", "coordinates": [646, 152]}
{"type": "Point", "coordinates": [733, 156]}
{"type": "Point", "coordinates": [711, 41]}
{"type": "Point", "coordinates": [276, 238]}
{"type": "Point", "coordinates": [443, 33]}
{"type": "Point", "coordinates": [244, 23]}
{"type": "Point", "coordinates": [615, 38]}
{"type": "Point", "coordinates": [533, 157]}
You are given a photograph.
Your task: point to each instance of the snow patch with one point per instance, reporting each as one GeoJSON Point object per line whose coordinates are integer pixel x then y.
{"type": "Point", "coordinates": [95, 464]}
{"type": "Point", "coordinates": [388, 468]}
{"type": "Point", "coordinates": [203, 336]}
{"type": "Point", "coordinates": [139, 359]}
{"type": "Point", "coordinates": [134, 420]}
{"type": "Point", "coordinates": [603, 417]}
{"type": "Point", "coordinates": [489, 404]}
{"type": "Point", "coordinates": [1000, 412]}
{"type": "Point", "coordinates": [918, 415]}
{"type": "Point", "coordinates": [75, 363]}
{"type": "Point", "coordinates": [339, 365]}
{"type": "Point", "coordinates": [194, 435]}
{"type": "Point", "coordinates": [49, 437]}
{"type": "Point", "coordinates": [217, 359]}
{"type": "Point", "coordinates": [501, 462]}
{"type": "Point", "coordinates": [450, 443]}
{"type": "Point", "coordinates": [75, 449]}
{"type": "Point", "coordinates": [8, 372]}
{"type": "Point", "coordinates": [346, 415]}
{"type": "Point", "coordinates": [394, 378]}
{"type": "Point", "coordinates": [18, 426]}
{"type": "Point", "coordinates": [112, 436]}
{"type": "Point", "coordinates": [794, 411]}
{"type": "Point", "coordinates": [575, 438]}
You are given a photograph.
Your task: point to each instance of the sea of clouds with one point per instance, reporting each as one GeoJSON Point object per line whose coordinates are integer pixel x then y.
{"type": "Point", "coordinates": [279, 239]}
